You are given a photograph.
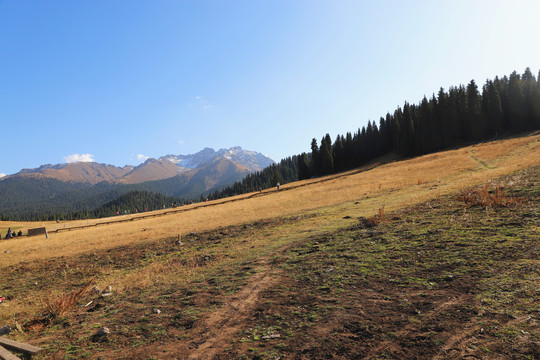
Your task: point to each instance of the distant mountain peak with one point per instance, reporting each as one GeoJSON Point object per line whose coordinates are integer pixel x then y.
{"type": "Point", "coordinates": [75, 185]}
{"type": "Point", "coordinates": [151, 169]}
{"type": "Point", "coordinates": [252, 160]}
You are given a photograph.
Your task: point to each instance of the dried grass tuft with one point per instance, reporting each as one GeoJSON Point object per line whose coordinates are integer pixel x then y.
{"type": "Point", "coordinates": [54, 306]}
{"type": "Point", "coordinates": [378, 218]}
{"type": "Point", "coordinates": [484, 197]}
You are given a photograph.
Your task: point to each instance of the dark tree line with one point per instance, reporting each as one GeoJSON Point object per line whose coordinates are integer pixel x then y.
{"type": "Point", "coordinates": [284, 172]}
{"type": "Point", "coordinates": [132, 202]}
{"type": "Point", "coordinates": [459, 116]}
{"type": "Point", "coordinates": [70, 201]}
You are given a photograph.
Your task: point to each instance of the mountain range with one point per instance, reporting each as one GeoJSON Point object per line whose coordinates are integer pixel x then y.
{"type": "Point", "coordinates": [84, 185]}
{"type": "Point", "coordinates": [167, 166]}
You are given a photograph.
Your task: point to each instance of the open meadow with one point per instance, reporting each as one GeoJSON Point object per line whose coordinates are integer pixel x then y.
{"type": "Point", "coordinates": [432, 257]}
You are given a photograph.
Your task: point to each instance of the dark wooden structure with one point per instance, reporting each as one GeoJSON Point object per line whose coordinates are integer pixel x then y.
{"type": "Point", "coordinates": [38, 231]}
{"type": "Point", "coordinates": [16, 346]}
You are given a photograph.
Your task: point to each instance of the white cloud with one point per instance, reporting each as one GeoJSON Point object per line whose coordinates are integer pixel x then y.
{"type": "Point", "coordinates": [181, 141]}
{"type": "Point", "coordinates": [203, 103]}
{"type": "Point", "coordinates": [142, 158]}
{"type": "Point", "coordinates": [79, 158]}
{"type": "Point", "coordinates": [2, 175]}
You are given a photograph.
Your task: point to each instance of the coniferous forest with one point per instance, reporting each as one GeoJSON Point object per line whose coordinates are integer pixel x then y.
{"type": "Point", "coordinates": [459, 116]}
{"type": "Point", "coordinates": [462, 115]}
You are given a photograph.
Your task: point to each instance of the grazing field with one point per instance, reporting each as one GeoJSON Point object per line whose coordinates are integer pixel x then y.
{"type": "Point", "coordinates": [432, 257]}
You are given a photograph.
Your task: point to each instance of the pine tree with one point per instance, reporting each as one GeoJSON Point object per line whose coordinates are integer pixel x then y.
{"type": "Point", "coordinates": [474, 128]}
{"type": "Point", "coordinates": [535, 104]}
{"type": "Point", "coordinates": [517, 104]}
{"type": "Point", "coordinates": [529, 90]}
{"type": "Point", "coordinates": [277, 178]}
{"type": "Point", "coordinates": [397, 133]}
{"type": "Point", "coordinates": [327, 158]}
{"type": "Point", "coordinates": [443, 113]}
{"type": "Point", "coordinates": [493, 109]}
{"type": "Point", "coordinates": [304, 171]}
{"type": "Point", "coordinates": [315, 158]}
{"type": "Point", "coordinates": [338, 152]}
{"type": "Point", "coordinates": [408, 131]}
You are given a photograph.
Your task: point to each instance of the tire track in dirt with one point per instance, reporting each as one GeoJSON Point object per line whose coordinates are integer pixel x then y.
{"type": "Point", "coordinates": [389, 344]}
{"type": "Point", "coordinates": [458, 343]}
{"type": "Point", "coordinates": [220, 326]}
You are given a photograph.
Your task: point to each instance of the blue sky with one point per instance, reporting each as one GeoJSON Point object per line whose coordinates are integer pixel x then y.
{"type": "Point", "coordinates": [118, 81]}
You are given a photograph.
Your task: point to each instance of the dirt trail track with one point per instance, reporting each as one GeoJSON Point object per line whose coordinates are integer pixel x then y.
{"type": "Point", "coordinates": [414, 328]}
{"type": "Point", "coordinates": [220, 326]}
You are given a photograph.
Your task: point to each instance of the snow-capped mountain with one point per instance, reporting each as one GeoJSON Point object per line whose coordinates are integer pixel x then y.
{"type": "Point", "coordinates": [252, 160]}
{"type": "Point", "coordinates": [83, 185]}
{"type": "Point", "coordinates": [152, 169]}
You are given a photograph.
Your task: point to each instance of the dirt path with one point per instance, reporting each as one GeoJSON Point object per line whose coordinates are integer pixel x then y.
{"type": "Point", "coordinates": [462, 343]}
{"type": "Point", "coordinates": [220, 326]}
{"type": "Point", "coordinates": [391, 345]}
{"type": "Point", "coordinates": [214, 333]}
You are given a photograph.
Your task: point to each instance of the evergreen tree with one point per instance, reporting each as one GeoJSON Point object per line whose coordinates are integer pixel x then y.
{"type": "Point", "coordinates": [338, 152]}
{"type": "Point", "coordinates": [529, 90]}
{"type": "Point", "coordinates": [493, 109]}
{"type": "Point", "coordinates": [535, 104]}
{"type": "Point", "coordinates": [408, 130]}
{"type": "Point", "coordinates": [315, 158]}
{"type": "Point", "coordinates": [397, 133]}
{"type": "Point", "coordinates": [474, 125]}
{"type": "Point", "coordinates": [327, 158]}
{"type": "Point", "coordinates": [277, 179]}
{"type": "Point", "coordinates": [304, 171]}
{"type": "Point", "coordinates": [517, 104]}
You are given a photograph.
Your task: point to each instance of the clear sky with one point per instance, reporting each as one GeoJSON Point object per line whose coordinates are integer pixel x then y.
{"type": "Point", "coordinates": [117, 81]}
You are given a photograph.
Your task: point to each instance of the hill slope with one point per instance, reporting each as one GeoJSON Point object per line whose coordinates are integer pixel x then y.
{"type": "Point", "coordinates": [303, 272]}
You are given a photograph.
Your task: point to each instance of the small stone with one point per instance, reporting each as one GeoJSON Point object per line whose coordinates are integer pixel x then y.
{"type": "Point", "coordinates": [108, 289]}
{"type": "Point", "coordinates": [6, 251]}
{"type": "Point", "coordinates": [103, 331]}
{"type": "Point", "coordinates": [156, 311]}
{"type": "Point", "coordinates": [5, 330]}
{"type": "Point", "coordinates": [271, 336]}
{"type": "Point", "coordinates": [101, 335]}
{"type": "Point", "coordinates": [19, 327]}
{"type": "Point", "coordinates": [96, 290]}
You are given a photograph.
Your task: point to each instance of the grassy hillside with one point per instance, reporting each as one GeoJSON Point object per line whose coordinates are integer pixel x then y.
{"type": "Point", "coordinates": [391, 262]}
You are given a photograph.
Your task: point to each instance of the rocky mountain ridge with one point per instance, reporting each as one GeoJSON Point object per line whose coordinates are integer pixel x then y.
{"type": "Point", "coordinates": [152, 169]}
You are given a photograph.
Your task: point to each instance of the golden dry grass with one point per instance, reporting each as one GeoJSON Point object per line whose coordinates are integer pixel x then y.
{"type": "Point", "coordinates": [391, 186]}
